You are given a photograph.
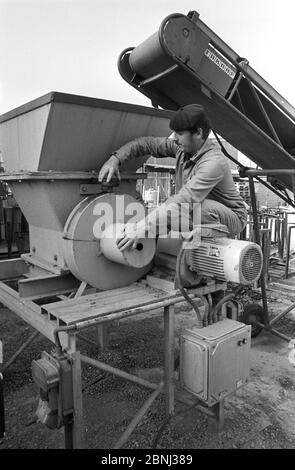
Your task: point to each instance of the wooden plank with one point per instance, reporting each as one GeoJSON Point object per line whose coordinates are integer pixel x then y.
{"type": "Point", "coordinates": [106, 318]}
{"type": "Point", "coordinates": [108, 310]}
{"type": "Point", "coordinates": [137, 295]}
{"type": "Point", "coordinates": [78, 315]}
{"type": "Point", "coordinates": [30, 313]}
{"type": "Point", "coordinates": [66, 307]}
{"type": "Point", "coordinates": [92, 297]}
{"type": "Point", "coordinates": [69, 312]}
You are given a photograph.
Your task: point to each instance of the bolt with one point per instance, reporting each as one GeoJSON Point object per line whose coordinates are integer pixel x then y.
{"type": "Point", "coordinates": [55, 257]}
{"type": "Point", "coordinates": [185, 32]}
{"type": "Point", "coordinates": [83, 188]}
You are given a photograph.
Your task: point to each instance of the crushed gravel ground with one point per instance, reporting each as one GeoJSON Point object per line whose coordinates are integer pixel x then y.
{"type": "Point", "coordinates": [261, 415]}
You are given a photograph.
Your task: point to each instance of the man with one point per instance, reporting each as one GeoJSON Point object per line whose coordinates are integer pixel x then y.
{"type": "Point", "coordinates": [203, 175]}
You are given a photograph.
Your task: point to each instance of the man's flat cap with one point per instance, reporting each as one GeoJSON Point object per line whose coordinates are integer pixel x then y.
{"type": "Point", "coordinates": [187, 118]}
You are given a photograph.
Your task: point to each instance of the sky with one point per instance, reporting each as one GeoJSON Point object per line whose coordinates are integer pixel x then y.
{"type": "Point", "coordinates": [72, 46]}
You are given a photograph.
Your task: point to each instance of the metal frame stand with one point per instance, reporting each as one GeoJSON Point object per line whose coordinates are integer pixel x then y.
{"type": "Point", "coordinates": [65, 339]}
{"type": "Point", "coordinates": [267, 325]}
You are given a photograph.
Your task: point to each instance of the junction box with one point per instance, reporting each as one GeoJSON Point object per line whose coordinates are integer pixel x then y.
{"type": "Point", "coordinates": [53, 377]}
{"type": "Point", "coordinates": [214, 361]}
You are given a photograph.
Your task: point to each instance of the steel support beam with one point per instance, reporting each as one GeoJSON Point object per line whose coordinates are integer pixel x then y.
{"type": "Point", "coordinates": [51, 285]}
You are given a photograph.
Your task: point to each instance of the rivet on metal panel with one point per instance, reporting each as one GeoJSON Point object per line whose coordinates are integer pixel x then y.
{"type": "Point", "coordinates": [83, 188]}
{"type": "Point", "coordinates": [185, 32]}
{"type": "Point", "coordinates": [55, 257]}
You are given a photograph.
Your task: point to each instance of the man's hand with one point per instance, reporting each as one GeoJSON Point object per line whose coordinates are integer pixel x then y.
{"type": "Point", "coordinates": [109, 169]}
{"type": "Point", "coordinates": [129, 238]}
{"type": "Point", "coordinates": [127, 242]}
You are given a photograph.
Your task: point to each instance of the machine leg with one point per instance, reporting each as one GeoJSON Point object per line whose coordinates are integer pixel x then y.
{"type": "Point", "coordinates": [102, 336]}
{"type": "Point", "coordinates": [257, 240]}
{"type": "Point", "coordinates": [218, 411]}
{"type": "Point", "coordinates": [68, 430]}
{"type": "Point", "coordinates": [169, 359]}
{"type": "Point", "coordinates": [74, 429]}
{"type": "Point", "coordinates": [78, 405]}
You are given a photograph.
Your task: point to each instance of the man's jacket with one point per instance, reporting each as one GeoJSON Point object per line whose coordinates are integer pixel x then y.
{"type": "Point", "coordinates": [206, 174]}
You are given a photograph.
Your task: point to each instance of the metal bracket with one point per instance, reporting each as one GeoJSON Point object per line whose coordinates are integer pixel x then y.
{"type": "Point", "coordinates": [97, 188]}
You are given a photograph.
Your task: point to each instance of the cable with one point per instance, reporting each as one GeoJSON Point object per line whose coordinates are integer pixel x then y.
{"type": "Point", "coordinates": [180, 285]}
{"type": "Point", "coordinates": [226, 298]}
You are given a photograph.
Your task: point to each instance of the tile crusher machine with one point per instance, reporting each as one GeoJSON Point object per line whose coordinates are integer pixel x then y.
{"type": "Point", "coordinates": [53, 148]}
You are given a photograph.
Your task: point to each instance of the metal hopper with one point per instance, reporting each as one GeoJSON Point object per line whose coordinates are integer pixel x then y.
{"type": "Point", "coordinates": [53, 148]}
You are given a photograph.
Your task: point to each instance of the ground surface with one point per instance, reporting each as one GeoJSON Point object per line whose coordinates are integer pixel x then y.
{"type": "Point", "coordinates": [261, 415]}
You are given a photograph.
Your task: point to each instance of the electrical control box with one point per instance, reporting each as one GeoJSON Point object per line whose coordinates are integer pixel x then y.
{"type": "Point", "coordinates": [214, 361]}
{"type": "Point", "coordinates": [53, 377]}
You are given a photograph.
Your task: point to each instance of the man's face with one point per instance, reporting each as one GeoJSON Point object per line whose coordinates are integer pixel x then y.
{"type": "Point", "coordinates": [190, 143]}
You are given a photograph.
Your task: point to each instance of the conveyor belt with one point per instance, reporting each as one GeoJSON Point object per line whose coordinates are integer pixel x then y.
{"type": "Point", "coordinates": [185, 62]}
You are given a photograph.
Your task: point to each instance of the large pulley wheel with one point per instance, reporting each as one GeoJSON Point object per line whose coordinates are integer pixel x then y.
{"type": "Point", "coordinates": [253, 312]}
{"type": "Point", "coordinates": [82, 241]}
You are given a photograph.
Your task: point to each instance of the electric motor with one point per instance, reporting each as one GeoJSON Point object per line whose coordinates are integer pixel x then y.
{"type": "Point", "coordinates": [228, 260]}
